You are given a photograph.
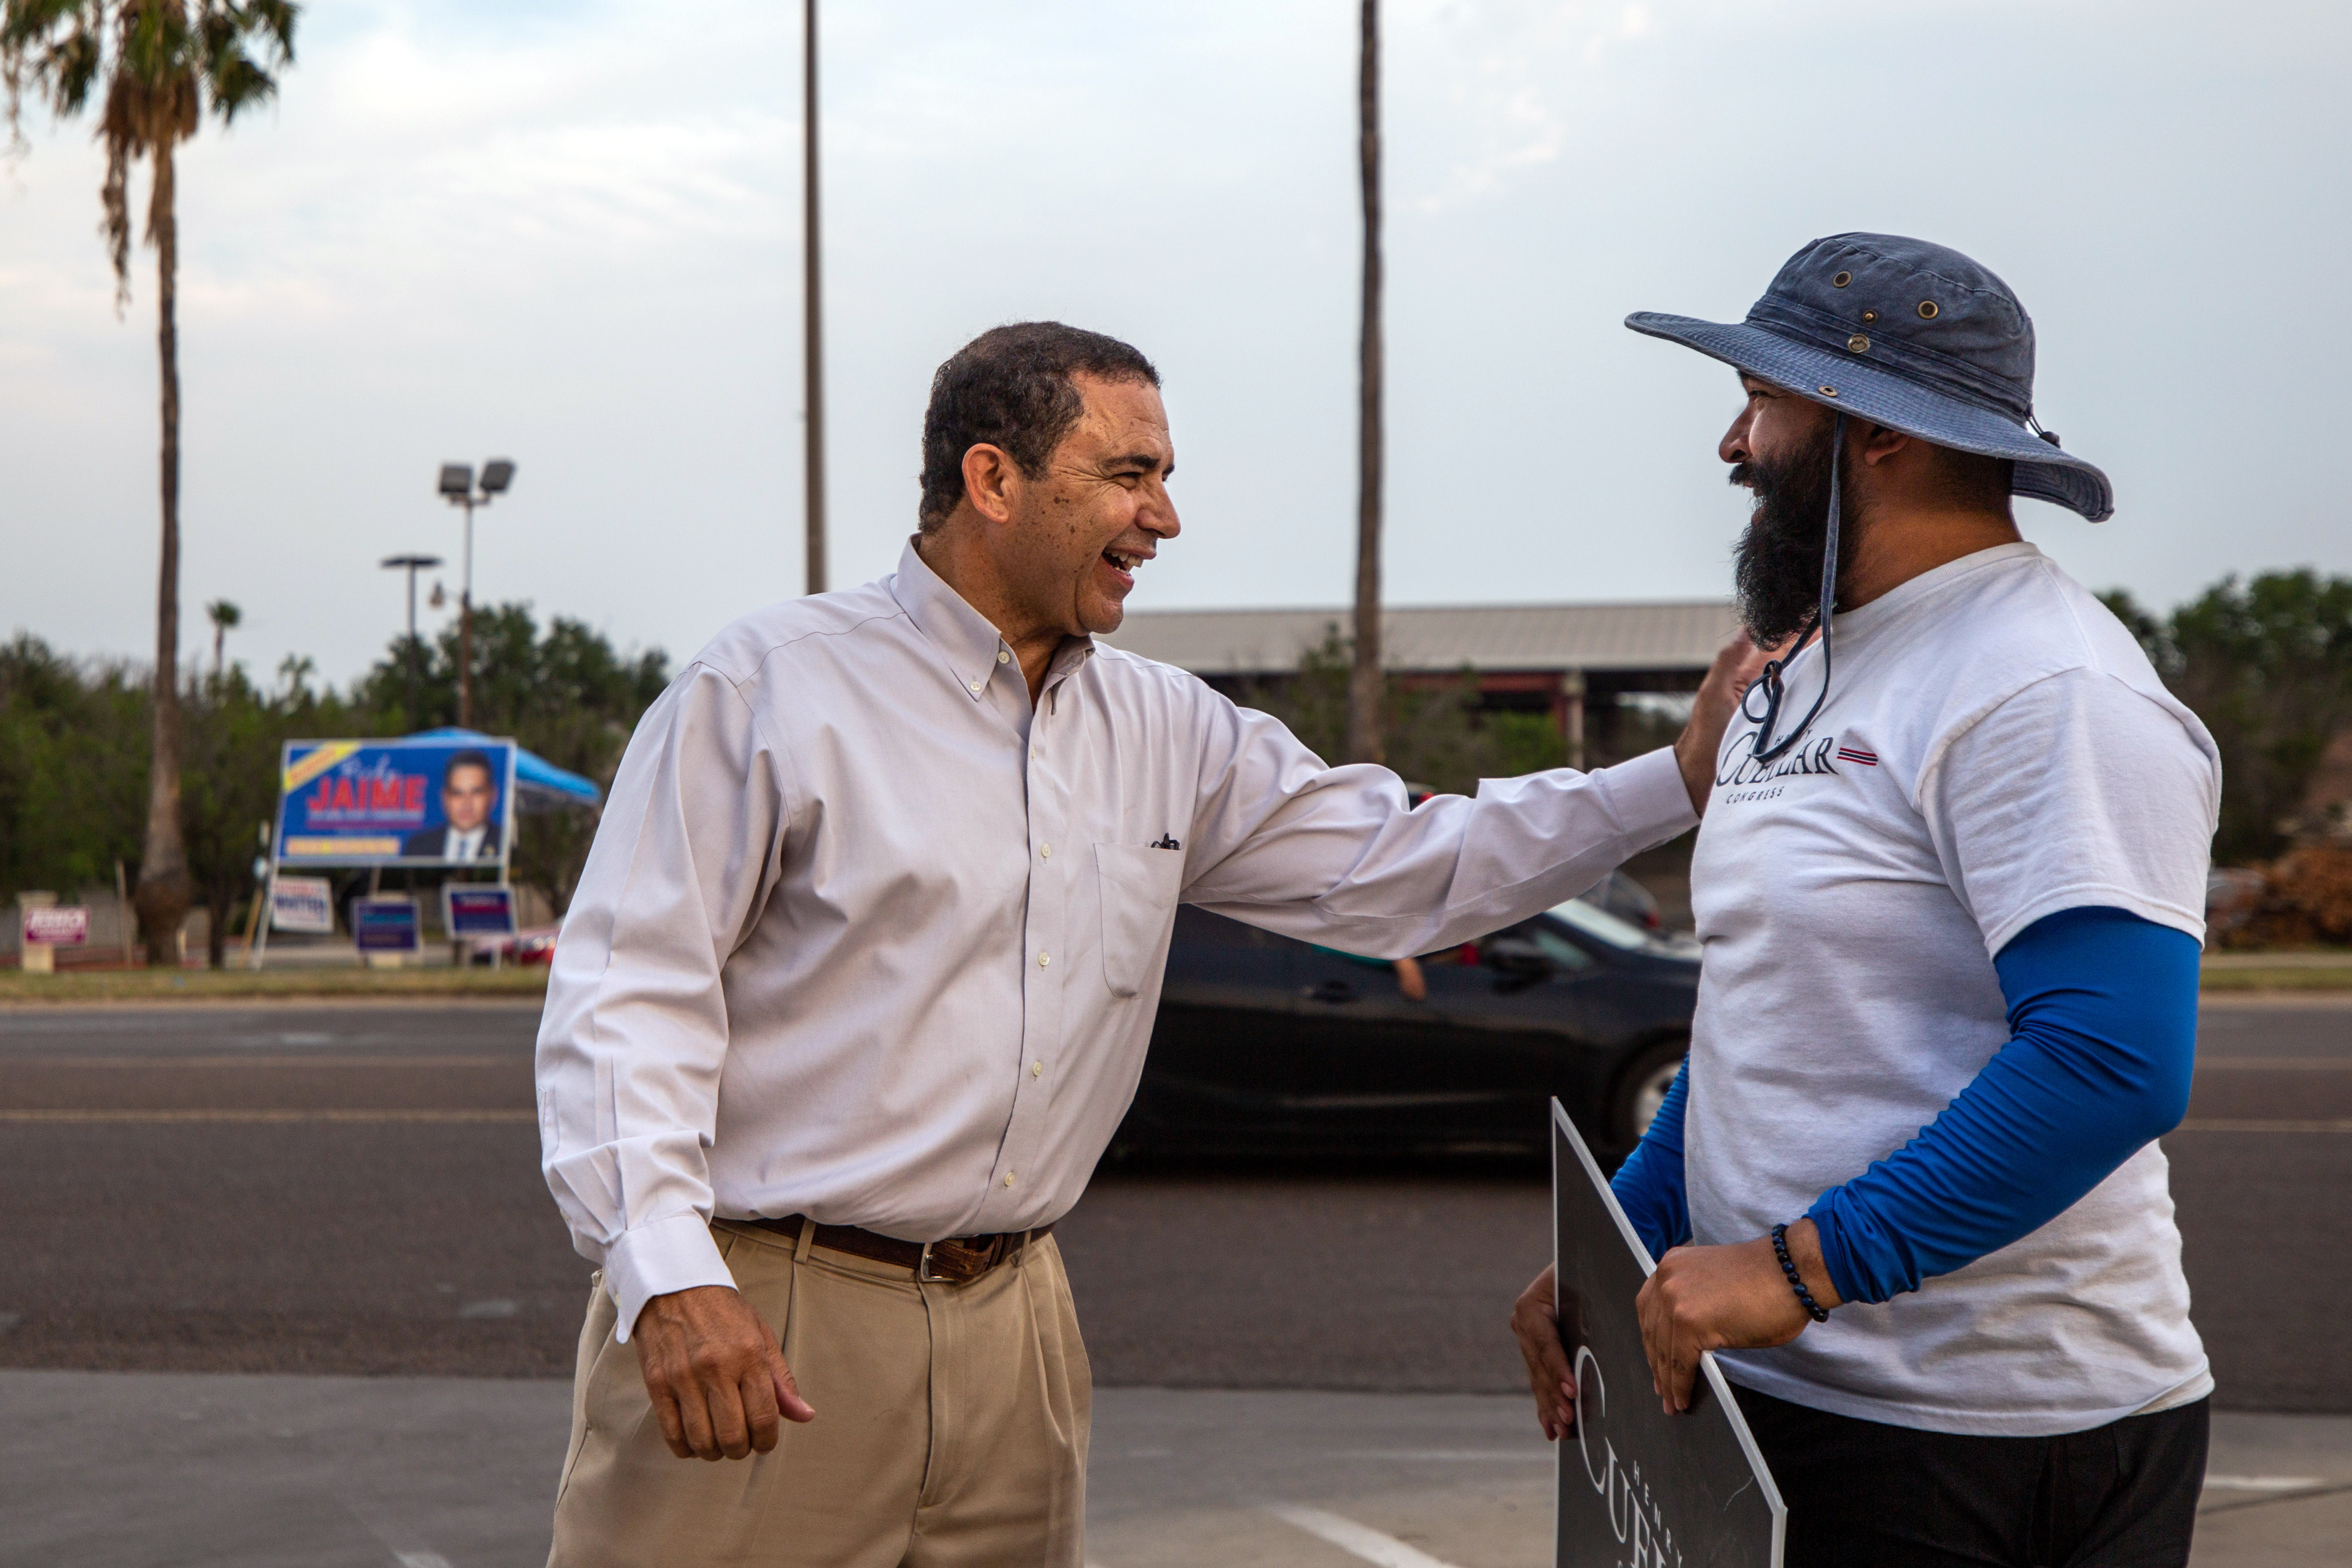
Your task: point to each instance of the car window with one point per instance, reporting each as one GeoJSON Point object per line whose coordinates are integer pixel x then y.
{"type": "Point", "coordinates": [1554, 946]}
{"type": "Point", "coordinates": [1597, 922]}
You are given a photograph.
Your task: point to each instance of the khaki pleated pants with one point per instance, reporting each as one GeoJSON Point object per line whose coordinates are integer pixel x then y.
{"type": "Point", "coordinates": [950, 1430]}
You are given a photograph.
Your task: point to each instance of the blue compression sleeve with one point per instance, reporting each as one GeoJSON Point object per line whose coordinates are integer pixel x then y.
{"type": "Point", "coordinates": [2102, 1014]}
{"type": "Point", "coordinates": [1649, 1184]}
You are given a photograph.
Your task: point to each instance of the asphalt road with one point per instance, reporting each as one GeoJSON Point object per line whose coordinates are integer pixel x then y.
{"type": "Point", "coordinates": [354, 1189]}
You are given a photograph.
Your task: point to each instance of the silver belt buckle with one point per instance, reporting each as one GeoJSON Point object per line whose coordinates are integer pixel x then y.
{"type": "Point", "coordinates": [923, 1275]}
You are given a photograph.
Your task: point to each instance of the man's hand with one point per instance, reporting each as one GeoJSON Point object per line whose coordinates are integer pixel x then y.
{"type": "Point", "coordinates": [716, 1374]}
{"type": "Point", "coordinates": [1724, 1298]}
{"type": "Point", "coordinates": [1737, 664]}
{"type": "Point", "coordinates": [1535, 1321]}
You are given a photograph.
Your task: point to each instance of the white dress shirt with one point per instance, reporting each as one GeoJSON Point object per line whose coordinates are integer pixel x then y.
{"type": "Point", "coordinates": [864, 938]}
{"type": "Point", "coordinates": [464, 844]}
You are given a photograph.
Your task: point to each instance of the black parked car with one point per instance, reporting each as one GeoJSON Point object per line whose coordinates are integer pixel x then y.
{"type": "Point", "coordinates": [1265, 1044]}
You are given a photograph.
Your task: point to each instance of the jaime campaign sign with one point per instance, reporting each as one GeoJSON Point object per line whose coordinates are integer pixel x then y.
{"type": "Point", "coordinates": [1639, 1488]}
{"type": "Point", "coordinates": [395, 803]}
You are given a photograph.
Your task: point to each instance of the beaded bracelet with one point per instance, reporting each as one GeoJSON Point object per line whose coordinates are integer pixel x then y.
{"type": "Point", "coordinates": [1789, 1267]}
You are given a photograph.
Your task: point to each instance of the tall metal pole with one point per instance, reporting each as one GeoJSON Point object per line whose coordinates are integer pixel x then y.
{"type": "Point", "coordinates": [465, 629]}
{"type": "Point", "coordinates": [412, 565]}
{"type": "Point", "coordinates": [412, 641]}
{"type": "Point", "coordinates": [812, 300]}
{"type": "Point", "coordinates": [1364, 681]}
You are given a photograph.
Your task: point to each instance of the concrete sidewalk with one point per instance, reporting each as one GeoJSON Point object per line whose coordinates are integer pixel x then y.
{"type": "Point", "coordinates": [128, 1471]}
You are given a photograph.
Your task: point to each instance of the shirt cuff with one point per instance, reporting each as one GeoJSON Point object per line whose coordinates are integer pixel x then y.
{"type": "Point", "coordinates": [1649, 796]}
{"type": "Point", "coordinates": [673, 1254]}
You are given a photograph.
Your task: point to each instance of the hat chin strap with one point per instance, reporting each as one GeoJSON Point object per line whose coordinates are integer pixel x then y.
{"type": "Point", "coordinates": [1765, 749]}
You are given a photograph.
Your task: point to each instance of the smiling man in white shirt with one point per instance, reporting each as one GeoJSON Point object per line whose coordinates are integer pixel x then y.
{"type": "Point", "coordinates": [860, 977]}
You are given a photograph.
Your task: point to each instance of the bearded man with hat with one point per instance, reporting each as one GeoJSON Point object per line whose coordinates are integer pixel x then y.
{"type": "Point", "coordinates": [1950, 885]}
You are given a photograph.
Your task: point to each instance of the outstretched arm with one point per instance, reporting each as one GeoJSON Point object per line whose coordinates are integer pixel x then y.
{"type": "Point", "coordinates": [1339, 856]}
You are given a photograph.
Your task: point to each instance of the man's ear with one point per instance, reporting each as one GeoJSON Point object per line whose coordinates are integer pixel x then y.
{"type": "Point", "coordinates": [1879, 443]}
{"type": "Point", "coordinates": [989, 480]}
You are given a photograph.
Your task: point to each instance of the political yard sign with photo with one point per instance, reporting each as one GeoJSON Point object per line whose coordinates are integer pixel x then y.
{"type": "Point", "coordinates": [397, 803]}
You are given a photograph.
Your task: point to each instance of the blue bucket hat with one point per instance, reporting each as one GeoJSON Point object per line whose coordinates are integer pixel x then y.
{"type": "Point", "coordinates": [1906, 334]}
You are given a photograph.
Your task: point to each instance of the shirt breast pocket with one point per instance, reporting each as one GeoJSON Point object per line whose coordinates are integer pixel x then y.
{"type": "Point", "coordinates": [1139, 889]}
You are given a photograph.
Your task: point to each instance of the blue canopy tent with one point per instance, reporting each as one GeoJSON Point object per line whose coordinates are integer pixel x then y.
{"type": "Point", "coordinates": [539, 785]}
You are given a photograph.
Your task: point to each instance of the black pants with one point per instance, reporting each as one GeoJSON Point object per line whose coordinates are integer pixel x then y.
{"type": "Point", "coordinates": [1864, 1495]}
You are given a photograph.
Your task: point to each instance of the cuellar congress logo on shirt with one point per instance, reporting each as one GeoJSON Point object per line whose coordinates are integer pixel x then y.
{"type": "Point", "coordinates": [1753, 780]}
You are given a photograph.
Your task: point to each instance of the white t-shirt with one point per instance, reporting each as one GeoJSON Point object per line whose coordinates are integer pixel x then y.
{"type": "Point", "coordinates": [1995, 748]}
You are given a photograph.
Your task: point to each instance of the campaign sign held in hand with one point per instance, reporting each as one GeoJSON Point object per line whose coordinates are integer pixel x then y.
{"type": "Point", "coordinates": [1639, 1488]}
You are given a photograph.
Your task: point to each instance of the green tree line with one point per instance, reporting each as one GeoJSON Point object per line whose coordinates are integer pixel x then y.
{"type": "Point", "coordinates": [74, 748]}
{"type": "Point", "coordinates": [2267, 664]}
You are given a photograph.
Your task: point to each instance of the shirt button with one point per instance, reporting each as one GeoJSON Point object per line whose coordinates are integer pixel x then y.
{"type": "Point", "coordinates": [1002, 657]}
{"type": "Point", "coordinates": [976, 685]}
{"type": "Point", "coordinates": [1008, 1178]}
{"type": "Point", "coordinates": [1044, 851]}
{"type": "Point", "coordinates": [1044, 959]}
{"type": "Point", "coordinates": [1036, 1069]}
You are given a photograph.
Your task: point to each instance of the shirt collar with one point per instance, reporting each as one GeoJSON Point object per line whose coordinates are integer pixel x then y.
{"type": "Point", "coordinates": [1900, 600]}
{"type": "Point", "coordinates": [962, 635]}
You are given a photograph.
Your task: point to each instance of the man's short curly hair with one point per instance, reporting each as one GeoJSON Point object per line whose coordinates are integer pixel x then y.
{"type": "Point", "coordinates": [1010, 387]}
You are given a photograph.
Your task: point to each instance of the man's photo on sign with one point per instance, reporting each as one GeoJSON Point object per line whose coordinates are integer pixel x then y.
{"type": "Point", "coordinates": [469, 811]}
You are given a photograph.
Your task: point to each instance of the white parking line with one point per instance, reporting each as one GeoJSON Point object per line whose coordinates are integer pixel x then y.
{"type": "Point", "coordinates": [269, 1116]}
{"type": "Point", "coordinates": [2261, 1483]}
{"type": "Point", "coordinates": [1356, 1539]}
{"type": "Point", "coordinates": [422, 1560]}
{"type": "Point", "coordinates": [1442, 1455]}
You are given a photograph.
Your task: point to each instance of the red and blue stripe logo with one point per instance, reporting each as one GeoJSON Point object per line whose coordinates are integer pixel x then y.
{"type": "Point", "coordinates": [1856, 754]}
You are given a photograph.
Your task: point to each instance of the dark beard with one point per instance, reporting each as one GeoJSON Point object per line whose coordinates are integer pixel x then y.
{"type": "Point", "coordinates": [1777, 569]}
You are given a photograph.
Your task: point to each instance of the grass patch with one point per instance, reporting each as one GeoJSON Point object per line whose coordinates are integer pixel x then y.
{"type": "Point", "coordinates": [2297, 977]}
{"type": "Point", "coordinates": [229, 985]}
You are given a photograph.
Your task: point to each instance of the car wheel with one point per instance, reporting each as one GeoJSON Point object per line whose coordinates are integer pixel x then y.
{"type": "Point", "coordinates": [1641, 1090]}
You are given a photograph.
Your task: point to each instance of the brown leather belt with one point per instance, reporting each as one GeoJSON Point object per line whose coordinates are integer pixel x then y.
{"type": "Point", "coordinates": [958, 1260]}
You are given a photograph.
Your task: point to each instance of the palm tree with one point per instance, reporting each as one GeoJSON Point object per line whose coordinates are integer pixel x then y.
{"type": "Point", "coordinates": [811, 303]}
{"type": "Point", "coordinates": [156, 65]}
{"type": "Point", "coordinates": [225, 617]}
{"type": "Point", "coordinates": [1365, 685]}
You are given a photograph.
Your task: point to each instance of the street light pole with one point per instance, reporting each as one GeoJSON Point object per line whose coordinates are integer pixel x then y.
{"type": "Point", "coordinates": [415, 564]}
{"type": "Point", "coordinates": [466, 630]}
{"type": "Point", "coordinates": [1367, 694]}
{"type": "Point", "coordinates": [811, 303]}
{"type": "Point", "coordinates": [457, 488]}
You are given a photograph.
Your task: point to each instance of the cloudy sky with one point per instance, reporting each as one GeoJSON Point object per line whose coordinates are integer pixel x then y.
{"type": "Point", "coordinates": [569, 233]}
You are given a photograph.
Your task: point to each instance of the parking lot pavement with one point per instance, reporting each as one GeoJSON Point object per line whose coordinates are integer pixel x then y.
{"type": "Point", "coordinates": [195, 1471]}
{"type": "Point", "coordinates": [205, 1471]}
{"type": "Point", "coordinates": [2278, 1493]}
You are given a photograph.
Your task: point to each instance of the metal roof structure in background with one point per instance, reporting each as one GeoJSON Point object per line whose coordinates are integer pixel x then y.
{"type": "Point", "coordinates": [1666, 636]}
